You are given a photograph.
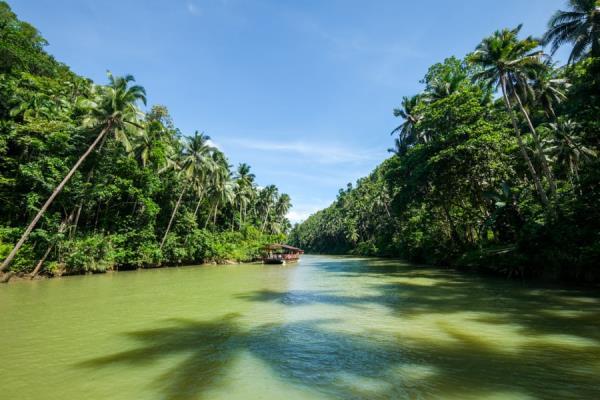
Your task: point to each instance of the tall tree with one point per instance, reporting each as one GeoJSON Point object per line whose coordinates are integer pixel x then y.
{"type": "Point", "coordinates": [113, 110]}
{"type": "Point", "coordinates": [267, 198]}
{"type": "Point", "coordinates": [245, 189]}
{"type": "Point", "coordinates": [407, 131]}
{"type": "Point", "coordinates": [192, 164]}
{"type": "Point", "coordinates": [504, 60]}
{"type": "Point", "coordinates": [579, 26]}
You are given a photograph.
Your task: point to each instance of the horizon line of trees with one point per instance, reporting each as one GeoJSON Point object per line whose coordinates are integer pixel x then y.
{"type": "Point", "coordinates": [495, 164]}
{"type": "Point", "coordinates": [98, 183]}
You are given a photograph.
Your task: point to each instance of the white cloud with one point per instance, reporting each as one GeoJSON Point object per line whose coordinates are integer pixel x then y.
{"type": "Point", "coordinates": [214, 144]}
{"type": "Point", "coordinates": [320, 152]}
{"type": "Point", "coordinates": [194, 9]}
{"type": "Point", "coordinates": [301, 213]}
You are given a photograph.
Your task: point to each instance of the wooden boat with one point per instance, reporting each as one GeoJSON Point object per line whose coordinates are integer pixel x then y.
{"type": "Point", "coordinates": [281, 254]}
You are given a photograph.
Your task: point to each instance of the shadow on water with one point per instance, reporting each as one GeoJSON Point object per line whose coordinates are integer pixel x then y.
{"type": "Point", "coordinates": [559, 359]}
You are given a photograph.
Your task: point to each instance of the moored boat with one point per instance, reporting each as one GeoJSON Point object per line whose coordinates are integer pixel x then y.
{"type": "Point", "coordinates": [281, 254]}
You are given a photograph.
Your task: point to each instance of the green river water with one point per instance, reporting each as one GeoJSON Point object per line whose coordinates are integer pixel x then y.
{"type": "Point", "coordinates": [326, 328]}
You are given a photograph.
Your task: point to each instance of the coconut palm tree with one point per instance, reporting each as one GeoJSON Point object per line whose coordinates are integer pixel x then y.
{"type": "Point", "coordinates": [565, 147]}
{"type": "Point", "coordinates": [266, 202]}
{"type": "Point", "coordinates": [150, 145]}
{"type": "Point", "coordinates": [112, 110]}
{"type": "Point", "coordinates": [217, 182]}
{"type": "Point", "coordinates": [504, 62]}
{"type": "Point", "coordinates": [245, 189]}
{"type": "Point", "coordinates": [548, 90]}
{"type": "Point", "coordinates": [443, 85]}
{"type": "Point", "coordinates": [191, 164]}
{"type": "Point", "coordinates": [200, 150]}
{"type": "Point", "coordinates": [579, 26]}
{"type": "Point", "coordinates": [407, 132]}
{"type": "Point", "coordinates": [282, 206]}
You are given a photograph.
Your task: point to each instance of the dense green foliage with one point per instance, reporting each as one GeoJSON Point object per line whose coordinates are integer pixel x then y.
{"type": "Point", "coordinates": [145, 195]}
{"type": "Point", "coordinates": [495, 166]}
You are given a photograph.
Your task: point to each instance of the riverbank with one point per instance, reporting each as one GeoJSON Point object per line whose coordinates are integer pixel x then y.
{"type": "Point", "coordinates": [99, 253]}
{"type": "Point", "coordinates": [12, 276]}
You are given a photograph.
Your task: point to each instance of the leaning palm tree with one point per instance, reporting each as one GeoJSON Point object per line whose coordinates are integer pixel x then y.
{"type": "Point", "coordinates": [579, 26]}
{"type": "Point", "coordinates": [504, 62]}
{"type": "Point", "coordinates": [113, 110]}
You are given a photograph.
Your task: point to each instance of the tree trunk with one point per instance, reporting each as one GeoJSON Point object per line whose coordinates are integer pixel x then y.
{"type": "Point", "coordinates": [200, 196]}
{"type": "Point", "coordinates": [48, 202]}
{"type": "Point", "coordinates": [534, 175]}
{"type": "Point", "coordinates": [538, 147]}
{"type": "Point", "coordinates": [215, 213]}
{"type": "Point", "coordinates": [61, 229]}
{"type": "Point", "coordinates": [262, 228]}
{"type": "Point", "coordinates": [41, 262]}
{"type": "Point", "coordinates": [162, 242]}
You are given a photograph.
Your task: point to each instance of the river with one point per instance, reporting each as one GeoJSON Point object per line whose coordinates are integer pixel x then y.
{"type": "Point", "coordinates": [326, 328]}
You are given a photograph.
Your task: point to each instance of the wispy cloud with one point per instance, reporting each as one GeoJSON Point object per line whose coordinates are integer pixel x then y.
{"type": "Point", "coordinates": [325, 153]}
{"type": "Point", "coordinates": [194, 9]}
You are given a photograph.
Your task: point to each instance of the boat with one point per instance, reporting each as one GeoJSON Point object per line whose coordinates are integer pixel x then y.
{"type": "Point", "coordinates": [281, 254]}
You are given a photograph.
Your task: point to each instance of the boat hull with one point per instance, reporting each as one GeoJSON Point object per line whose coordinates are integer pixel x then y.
{"type": "Point", "coordinates": [272, 261]}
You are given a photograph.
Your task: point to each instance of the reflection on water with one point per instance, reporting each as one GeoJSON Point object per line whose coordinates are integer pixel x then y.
{"type": "Point", "coordinates": [330, 327]}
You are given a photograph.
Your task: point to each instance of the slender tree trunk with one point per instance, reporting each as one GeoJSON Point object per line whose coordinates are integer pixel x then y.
{"type": "Point", "coordinates": [534, 175]}
{"type": "Point", "coordinates": [262, 228]}
{"type": "Point", "coordinates": [74, 229]}
{"type": "Point", "coordinates": [162, 242]}
{"type": "Point", "coordinates": [48, 202]}
{"type": "Point", "coordinates": [215, 213]}
{"type": "Point", "coordinates": [200, 196]}
{"type": "Point", "coordinates": [41, 262]}
{"type": "Point", "coordinates": [538, 147]}
{"type": "Point", "coordinates": [207, 218]}
{"type": "Point", "coordinates": [63, 227]}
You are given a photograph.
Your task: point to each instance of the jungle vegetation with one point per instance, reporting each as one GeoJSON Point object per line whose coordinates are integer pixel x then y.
{"type": "Point", "coordinates": [495, 163]}
{"type": "Point", "coordinates": [90, 182]}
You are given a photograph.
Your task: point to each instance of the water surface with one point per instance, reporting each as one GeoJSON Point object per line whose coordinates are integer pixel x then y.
{"type": "Point", "coordinates": [326, 328]}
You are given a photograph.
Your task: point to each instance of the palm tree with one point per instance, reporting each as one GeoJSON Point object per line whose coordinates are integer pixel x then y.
{"type": "Point", "coordinates": [407, 130]}
{"type": "Point", "coordinates": [192, 164]}
{"type": "Point", "coordinates": [505, 61]}
{"type": "Point", "coordinates": [565, 147]}
{"type": "Point", "coordinates": [218, 181]}
{"type": "Point", "coordinates": [245, 185]}
{"type": "Point", "coordinates": [445, 84]}
{"type": "Point", "coordinates": [282, 206]}
{"type": "Point", "coordinates": [112, 110]}
{"type": "Point", "coordinates": [548, 90]}
{"type": "Point", "coordinates": [150, 145]}
{"type": "Point", "coordinates": [266, 200]}
{"type": "Point", "coordinates": [579, 26]}
{"type": "Point", "coordinates": [201, 151]}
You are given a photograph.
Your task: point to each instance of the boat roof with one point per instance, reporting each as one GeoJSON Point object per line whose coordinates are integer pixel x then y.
{"type": "Point", "coordinates": [276, 246]}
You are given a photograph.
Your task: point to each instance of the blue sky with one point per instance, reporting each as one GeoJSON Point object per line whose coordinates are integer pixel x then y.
{"type": "Point", "coordinates": [303, 91]}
